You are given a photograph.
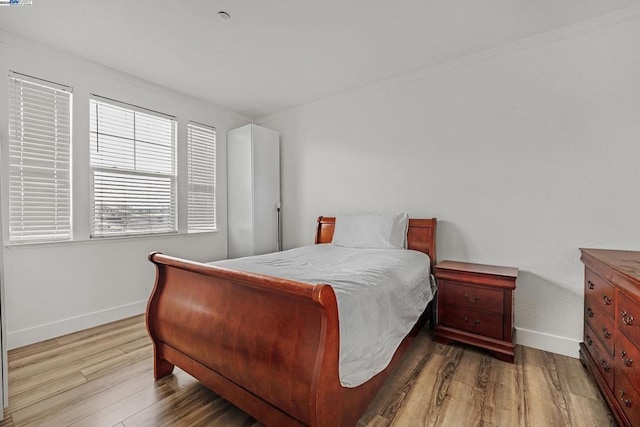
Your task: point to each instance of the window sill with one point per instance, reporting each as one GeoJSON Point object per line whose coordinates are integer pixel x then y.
{"type": "Point", "coordinates": [112, 239]}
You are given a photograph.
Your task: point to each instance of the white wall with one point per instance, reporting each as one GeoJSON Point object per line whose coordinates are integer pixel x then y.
{"type": "Point", "coordinates": [52, 289]}
{"type": "Point", "coordinates": [524, 154]}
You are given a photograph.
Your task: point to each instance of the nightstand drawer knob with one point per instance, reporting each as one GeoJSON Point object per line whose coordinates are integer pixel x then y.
{"type": "Point", "coordinates": [590, 284]}
{"type": "Point", "coordinates": [590, 312]}
{"type": "Point", "coordinates": [471, 300]}
{"type": "Point", "coordinates": [606, 332]}
{"type": "Point", "coordinates": [606, 300]}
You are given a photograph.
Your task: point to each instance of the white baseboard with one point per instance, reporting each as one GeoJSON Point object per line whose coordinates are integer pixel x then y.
{"type": "Point", "coordinates": [547, 342]}
{"type": "Point", "coordinates": [58, 328]}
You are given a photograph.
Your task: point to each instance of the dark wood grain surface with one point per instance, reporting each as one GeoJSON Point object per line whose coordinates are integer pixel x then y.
{"type": "Point", "coordinates": [475, 306]}
{"type": "Point", "coordinates": [611, 343]}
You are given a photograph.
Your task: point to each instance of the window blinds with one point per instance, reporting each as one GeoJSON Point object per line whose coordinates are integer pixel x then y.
{"type": "Point", "coordinates": [133, 170]}
{"type": "Point", "coordinates": [39, 160]}
{"type": "Point", "coordinates": [201, 147]}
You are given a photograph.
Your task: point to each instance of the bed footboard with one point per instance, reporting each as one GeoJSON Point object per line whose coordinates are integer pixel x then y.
{"type": "Point", "coordinates": [266, 344]}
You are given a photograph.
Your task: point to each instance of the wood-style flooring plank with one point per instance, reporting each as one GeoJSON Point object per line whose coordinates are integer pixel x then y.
{"type": "Point", "coordinates": [61, 401]}
{"type": "Point", "coordinates": [391, 397]}
{"type": "Point", "coordinates": [45, 389]}
{"type": "Point", "coordinates": [79, 349]}
{"type": "Point", "coordinates": [94, 403]}
{"type": "Point", "coordinates": [102, 368]}
{"type": "Point", "coordinates": [7, 421]}
{"type": "Point", "coordinates": [467, 390]}
{"type": "Point", "coordinates": [103, 330]}
{"type": "Point", "coordinates": [589, 412]}
{"type": "Point", "coordinates": [521, 390]}
{"type": "Point", "coordinates": [177, 406]}
{"type": "Point", "coordinates": [21, 353]}
{"type": "Point", "coordinates": [142, 342]}
{"type": "Point", "coordinates": [434, 385]}
{"type": "Point", "coordinates": [371, 419]}
{"type": "Point", "coordinates": [572, 377]}
{"type": "Point", "coordinates": [501, 397]}
{"type": "Point", "coordinates": [25, 378]}
{"type": "Point", "coordinates": [424, 403]}
{"type": "Point", "coordinates": [545, 405]}
{"type": "Point", "coordinates": [126, 408]}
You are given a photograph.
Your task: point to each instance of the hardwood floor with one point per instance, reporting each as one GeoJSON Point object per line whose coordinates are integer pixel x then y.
{"type": "Point", "coordinates": [103, 377]}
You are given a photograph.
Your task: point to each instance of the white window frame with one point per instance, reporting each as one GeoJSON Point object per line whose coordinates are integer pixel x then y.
{"type": "Point", "coordinates": [40, 167]}
{"type": "Point", "coordinates": [201, 178]}
{"type": "Point", "coordinates": [97, 228]}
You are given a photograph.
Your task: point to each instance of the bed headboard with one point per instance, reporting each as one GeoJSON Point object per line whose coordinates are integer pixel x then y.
{"type": "Point", "coordinates": [420, 237]}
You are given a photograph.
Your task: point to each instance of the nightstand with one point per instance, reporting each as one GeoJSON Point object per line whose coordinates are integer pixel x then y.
{"type": "Point", "coordinates": [475, 306]}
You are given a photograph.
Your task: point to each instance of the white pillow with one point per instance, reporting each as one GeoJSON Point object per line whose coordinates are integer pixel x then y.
{"type": "Point", "coordinates": [371, 231]}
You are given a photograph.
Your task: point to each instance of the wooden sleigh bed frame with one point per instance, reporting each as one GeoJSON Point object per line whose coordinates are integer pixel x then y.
{"type": "Point", "coordinates": [268, 345]}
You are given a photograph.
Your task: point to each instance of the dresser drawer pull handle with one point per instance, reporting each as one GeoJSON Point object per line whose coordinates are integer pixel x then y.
{"type": "Point", "coordinates": [626, 360]}
{"type": "Point", "coordinates": [606, 332]}
{"type": "Point", "coordinates": [471, 300]}
{"type": "Point", "coordinates": [475, 322]}
{"type": "Point", "coordinates": [605, 365]}
{"type": "Point", "coordinates": [627, 319]}
{"type": "Point", "coordinates": [606, 299]}
{"type": "Point", "coordinates": [589, 340]}
{"type": "Point", "coordinates": [590, 312]}
{"type": "Point", "coordinates": [627, 402]}
{"type": "Point", "coordinates": [590, 284]}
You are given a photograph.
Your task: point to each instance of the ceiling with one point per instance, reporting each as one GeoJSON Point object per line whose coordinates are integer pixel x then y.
{"type": "Point", "coordinates": [273, 55]}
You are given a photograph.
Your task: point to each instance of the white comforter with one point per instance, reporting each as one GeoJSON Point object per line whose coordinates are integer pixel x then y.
{"type": "Point", "coordinates": [381, 293]}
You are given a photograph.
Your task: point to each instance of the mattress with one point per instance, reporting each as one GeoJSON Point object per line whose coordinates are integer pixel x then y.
{"type": "Point", "coordinates": [381, 293]}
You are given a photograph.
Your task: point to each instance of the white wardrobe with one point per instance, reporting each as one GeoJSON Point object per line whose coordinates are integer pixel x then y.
{"type": "Point", "coordinates": [253, 192]}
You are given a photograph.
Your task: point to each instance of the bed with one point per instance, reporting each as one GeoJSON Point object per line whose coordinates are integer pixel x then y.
{"type": "Point", "coordinates": [268, 345]}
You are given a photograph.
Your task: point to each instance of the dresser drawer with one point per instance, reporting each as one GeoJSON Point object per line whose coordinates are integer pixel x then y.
{"type": "Point", "coordinates": [474, 321]}
{"type": "Point", "coordinates": [601, 324]}
{"type": "Point", "coordinates": [603, 359]}
{"type": "Point", "coordinates": [476, 297]}
{"type": "Point", "coordinates": [627, 359]}
{"type": "Point", "coordinates": [628, 398]}
{"type": "Point", "coordinates": [599, 294]}
{"type": "Point", "coordinates": [628, 318]}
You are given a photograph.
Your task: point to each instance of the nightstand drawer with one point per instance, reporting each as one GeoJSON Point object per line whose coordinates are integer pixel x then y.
{"type": "Point", "coordinates": [474, 321]}
{"type": "Point", "coordinates": [475, 297]}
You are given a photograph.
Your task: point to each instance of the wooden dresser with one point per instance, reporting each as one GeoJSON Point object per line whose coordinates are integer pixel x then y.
{"type": "Point", "coordinates": [475, 306]}
{"type": "Point", "coordinates": [611, 347]}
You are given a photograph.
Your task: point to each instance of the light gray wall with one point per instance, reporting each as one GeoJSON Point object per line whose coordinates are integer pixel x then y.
{"type": "Point", "coordinates": [52, 289]}
{"type": "Point", "coordinates": [524, 154]}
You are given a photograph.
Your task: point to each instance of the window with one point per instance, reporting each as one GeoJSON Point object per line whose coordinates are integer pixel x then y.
{"type": "Point", "coordinates": [201, 147]}
{"type": "Point", "coordinates": [39, 160]}
{"type": "Point", "coordinates": [133, 170]}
